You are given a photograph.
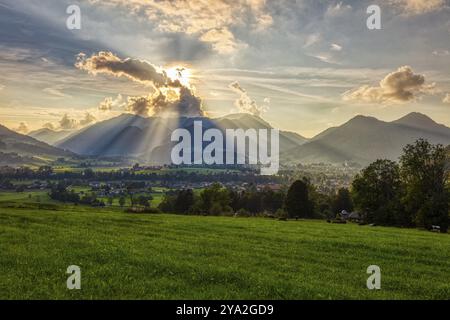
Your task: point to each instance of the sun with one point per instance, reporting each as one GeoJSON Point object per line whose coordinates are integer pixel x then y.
{"type": "Point", "coordinates": [181, 74]}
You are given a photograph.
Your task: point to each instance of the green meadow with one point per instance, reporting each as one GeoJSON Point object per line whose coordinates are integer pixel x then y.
{"type": "Point", "coordinates": [135, 256]}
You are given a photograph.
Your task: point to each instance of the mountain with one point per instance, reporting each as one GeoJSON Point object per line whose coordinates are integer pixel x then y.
{"type": "Point", "coordinates": [149, 138]}
{"type": "Point", "coordinates": [365, 139]}
{"type": "Point", "coordinates": [361, 139]}
{"type": "Point", "coordinates": [125, 135]}
{"type": "Point", "coordinates": [16, 148]}
{"type": "Point", "coordinates": [49, 136]}
{"type": "Point", "coordinates": [423, 123]}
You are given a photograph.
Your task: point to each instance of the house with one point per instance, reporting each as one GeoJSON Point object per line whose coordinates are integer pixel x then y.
{"type": "Point", "coordinates": [349, 216]}
{"type": "Point", "coordinates": [343, 215]}
{"type": "Point", "coordinates": [355, 216]}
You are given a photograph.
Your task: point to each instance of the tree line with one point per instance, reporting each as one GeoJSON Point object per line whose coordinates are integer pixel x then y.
{"type": "Point", "coordinates": [48, 173]}
{"type": "Point", "coordinates": [411, 193]}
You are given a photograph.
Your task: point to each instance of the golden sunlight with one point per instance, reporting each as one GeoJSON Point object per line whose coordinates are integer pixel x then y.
{"type": "Point", "coordinates": [181, 74]}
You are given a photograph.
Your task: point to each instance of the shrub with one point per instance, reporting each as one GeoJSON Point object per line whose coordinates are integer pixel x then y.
{"type": "Point", "coordinates": [143, 210]}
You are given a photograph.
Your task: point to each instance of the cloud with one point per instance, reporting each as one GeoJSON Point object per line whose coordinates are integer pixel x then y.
{"type": "Point", "coordinates": [337, 9]}
{"type": "Point", "coordinates": [164, 104]}
{"type": "Point", "coordinates": [67, 123]}
{"type": "Point", "coordinates": [173, 94]}
{"type": "Point", "coordinates": [325, 57]}
{"type": "Point", "coordinates": [222, 40]}
{"type": "Point", "coordinates": [441, 53]}
{"type": "Point", "coordinates": [246, 104]}
{"type": "Point", "coordinates": [446, 98]}
{"type": "Point", "coordinates": [110, 103]}
{"type": "Point", "coordinates": [335, 47]}
{"type": "Point", "coordinates": [311, 40]}
{"type": "Point", "coordinates": [399, 86]}
{"type": "Point", "coordinates": [56, 92]}
{"type": "Point", "coordinates": [415, 7]}
{"type": "Point", "coordinates": [49, 125]}
{"type": "Point", "coordinates": [22, 128]}
{"type": "Point", "coordinates": [2, 87]}
{"type": "Point", "coordinates": [210, 21]}
{"type": "Point", "coordinates": [139, 105]}
{"type": "Point", "coordinates": [88, 119]}
{"type": "Point", "coordinates": [134, 69]}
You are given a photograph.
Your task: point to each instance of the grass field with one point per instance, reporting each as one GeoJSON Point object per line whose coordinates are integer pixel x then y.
{"type": "Point", "coordinates": [129, 256]}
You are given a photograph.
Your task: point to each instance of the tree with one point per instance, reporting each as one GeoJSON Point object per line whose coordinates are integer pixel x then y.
{"type": "Point", "coordinates": [272, 201]}
{"type": "Point", "coordinates": [45, 171]}
{"type": "Point", "coordinates": [424, 171]}
{"type": "Point", "coordinates": [110, 201]}
{"type": "Point", "coordinates": [215, 198]}
{"type": "Point", "coordinates": [320, 203]}
{"type": "Point", "coordinates": [342, 201]}
{"type": "Point", "coordinates": [168, 203]}
{"type": "Point", "coordinates": [122, 201]}
{"type": "Point", "coordinates": [184, 201]}
{"type": "Point", "coordinates": [144, 200]}
{"type": "Point", "coordinates": [377, 192]}
{"type": "Point", "coordinates": [297, 200]}
{"type": "Point", "coordinates": [133, 188]}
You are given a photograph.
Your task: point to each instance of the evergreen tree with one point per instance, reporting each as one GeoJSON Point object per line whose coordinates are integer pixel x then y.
{"type": "Point", "coordinates": [297, 202]}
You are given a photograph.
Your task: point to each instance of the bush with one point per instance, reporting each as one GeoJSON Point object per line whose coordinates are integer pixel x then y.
{"type": "Point", "coordinates": [216, 209]}
{"type": "Point", "coordinates": [242, 213]}
{"type": "Point", "coordinates": [143, 210]}
{"type": "Point", "coordinates": [281, 214]}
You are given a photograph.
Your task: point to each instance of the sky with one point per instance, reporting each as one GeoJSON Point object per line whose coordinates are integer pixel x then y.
{"type": "Point", "coordinates": [302, 65]}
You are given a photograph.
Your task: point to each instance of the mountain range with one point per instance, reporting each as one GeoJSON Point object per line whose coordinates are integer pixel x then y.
{"type": "Point", "coordinates": [361, 140]}
{"type": "Point", "coordinates": [365, 139]}
{"type": "Point", "coordinates": [50, 136]}
{"type": "Point", "coordinates": [16, 148]}
{"type": "Point", "coordinates": [150, 138]}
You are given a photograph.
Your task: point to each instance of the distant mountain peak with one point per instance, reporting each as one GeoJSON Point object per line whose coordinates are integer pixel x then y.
{"type": "Point", "coordinates": [364, 139]}
{"type": "Point", "coordinates": [360, 117]}
{"type": "Point", "coordinates": [39, 131]}
{"type": "Point", "coordinates": [23, 145]}
{"type": "Point", "coordinates": [361, 120]}
{"type": "Point", "coordinates": [241, 115]}
{"type": "Point", "coordinates": [416, 119]}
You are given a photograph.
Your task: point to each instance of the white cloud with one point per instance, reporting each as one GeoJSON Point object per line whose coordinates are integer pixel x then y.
{"type": "Point", "coordinates": [337, 9]}
{"type": "Point", "coordinates": [222, 40]}
{"type": "Point", "coordinates": [56, 93]}
{"type": "Point", "coordinates": [415, 7]}
{"type": "Point", "coordinates": [325, 57]}
{"type": "Point", "coordinates": [400, 86]}
{"type": "Point", "coordinates": [446, 98]}
{"type": "Point", "coordinates": [110, 103]}
{"type": "Point", "coordinates": [336, 47]}
{"type": "Point", "coordinates": [246, 104]}
{"type": "Point", "coordinates": [441, 53]}
{"type": "Point", "coordinates": [210, 21]}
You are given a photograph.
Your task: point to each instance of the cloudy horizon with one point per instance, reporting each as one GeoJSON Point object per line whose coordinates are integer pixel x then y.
{"type": "Point", "coordinates": [312, 61]}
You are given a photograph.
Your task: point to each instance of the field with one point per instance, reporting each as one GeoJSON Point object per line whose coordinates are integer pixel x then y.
{"type": "Point", "coordinates": [129, 256]}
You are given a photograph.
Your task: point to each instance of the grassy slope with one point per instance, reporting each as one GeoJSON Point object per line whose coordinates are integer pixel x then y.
{"type": "Point", "coordinates": [171, 257]}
